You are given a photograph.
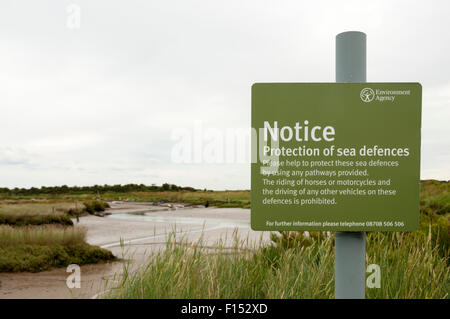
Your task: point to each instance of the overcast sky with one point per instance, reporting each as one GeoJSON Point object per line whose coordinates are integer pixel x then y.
{"type": "Point", "coordinates": [97, 104]}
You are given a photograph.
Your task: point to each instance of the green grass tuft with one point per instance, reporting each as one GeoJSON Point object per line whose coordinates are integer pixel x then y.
{"type": "Point", "coordinates": [411, 267]}
{"type": "Point", "coordinates": [38, 248]}
{"type": "Point", "coordinates": [95, 206]}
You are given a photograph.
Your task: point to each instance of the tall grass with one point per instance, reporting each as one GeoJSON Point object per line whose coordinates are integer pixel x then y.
{"type": "Point", "coordinates": [37, 248]}
{"type": "Point", "coordinates": [22, 214]}
{"type": "Point", "coordinates": [42, 235]}
{"type": "Point", "coordinates": [44, 212]}
{"type": "Point", "coordinates": [36, 207]}
{"type": "Point", "coordinates": [410, 268]}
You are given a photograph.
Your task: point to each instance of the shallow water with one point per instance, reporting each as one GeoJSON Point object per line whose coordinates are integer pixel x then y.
{"type": "Point", "coordinates": [152, 217]}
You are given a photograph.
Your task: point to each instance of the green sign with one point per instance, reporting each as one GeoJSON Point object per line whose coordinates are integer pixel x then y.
{"type": "Point", "coordinates": [335, 156]}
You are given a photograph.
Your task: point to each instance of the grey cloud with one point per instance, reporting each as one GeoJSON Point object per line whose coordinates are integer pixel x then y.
{"type": "Point", "coordinates": [104, 98]}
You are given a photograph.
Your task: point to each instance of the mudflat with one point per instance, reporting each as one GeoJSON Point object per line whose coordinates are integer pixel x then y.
{"type": "Point", "coordinates": [132, 231]}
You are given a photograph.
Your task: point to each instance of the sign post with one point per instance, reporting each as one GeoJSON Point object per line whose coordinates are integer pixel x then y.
{"type": "Point", "coordinates": [341, 157]}
{"type": "Point", "coordinates": [350, 247]}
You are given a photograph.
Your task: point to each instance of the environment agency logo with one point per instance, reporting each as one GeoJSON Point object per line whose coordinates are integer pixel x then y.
{"type": "Point", "coordinates": [367, 95]}
{"type": "Point", "coordinates": [381, 95]}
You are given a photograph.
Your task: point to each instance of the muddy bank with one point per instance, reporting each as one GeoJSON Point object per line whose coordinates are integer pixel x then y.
{"type": "Point", "coordinates": [142, 228]}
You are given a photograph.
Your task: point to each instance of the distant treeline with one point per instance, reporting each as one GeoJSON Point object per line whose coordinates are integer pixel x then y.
{"type": "Point", "coordinates": [64, 189]}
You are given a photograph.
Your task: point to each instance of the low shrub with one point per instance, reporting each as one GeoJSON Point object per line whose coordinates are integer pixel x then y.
{"type": "Point", "coordinates": [35, 219]}
{"type": "Point", "coordinates": [35, 258]}
{"type": "Point", "coordinates": [76, 212]}
{"type": "Point", "coordinates": [38, 248]}
{"type": "Point", "coordinates": [35, 213]}
{"type": "Point", "coordinates": [95, 206]}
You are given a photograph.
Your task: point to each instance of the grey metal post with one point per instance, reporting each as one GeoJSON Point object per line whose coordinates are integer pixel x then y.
{"type": "Point", "coordinates": [350, 247]}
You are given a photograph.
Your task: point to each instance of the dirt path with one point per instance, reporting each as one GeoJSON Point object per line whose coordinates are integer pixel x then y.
{"type": "Point", "coordinates": [141, 234]}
